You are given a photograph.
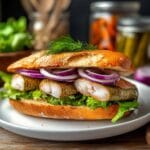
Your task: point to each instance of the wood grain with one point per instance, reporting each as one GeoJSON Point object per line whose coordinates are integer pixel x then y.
{"type": "Point", "coordinates": [148, 134]}
{"type": "Point", "coordinates": [133, 141]}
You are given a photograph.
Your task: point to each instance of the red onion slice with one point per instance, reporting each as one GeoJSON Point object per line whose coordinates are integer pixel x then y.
{"type": "Point", "coordinates": [28, 70]}
{"type": "Point", "coordinates": [64, 72]}
{"type": "Point", "coordinates": [31, 73]}
{"type": "Point", "coordinates": [83, 74]}
{"type": "Point", "coordinates": [100, 74]}
{"type": "Point", "coordinates": [143, 75]}
{"type": "Point", "coordinates": [48, 74]}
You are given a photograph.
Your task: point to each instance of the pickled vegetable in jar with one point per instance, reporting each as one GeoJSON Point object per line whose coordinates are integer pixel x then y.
{"type": "Point", "coordinates": [133, 39]}
{"type": "Point", "coordinates": [104, 19]}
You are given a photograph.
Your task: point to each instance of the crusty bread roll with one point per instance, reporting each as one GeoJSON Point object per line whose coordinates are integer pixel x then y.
{"type": "Point", "coordinates": [95, 58]}
{"type": "Point", "coordinates": [43, 109]}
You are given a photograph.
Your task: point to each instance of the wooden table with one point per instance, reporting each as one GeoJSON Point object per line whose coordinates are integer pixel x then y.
{"type": "Point", "coordinates": [134, 140]}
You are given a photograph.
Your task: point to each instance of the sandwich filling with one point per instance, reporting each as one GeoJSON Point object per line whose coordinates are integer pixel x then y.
{"type": "Point", "coordinates": [79, 91]}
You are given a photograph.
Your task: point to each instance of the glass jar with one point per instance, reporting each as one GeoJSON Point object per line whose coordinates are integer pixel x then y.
{"type": "Point", "coordinates": [46, 29]}
{"type": "Point", "coordinates": [133, 39]}
{"type": "Point", "coordinates": [104, 19]}
{"type": "Point", "coordinates": [48, 20]}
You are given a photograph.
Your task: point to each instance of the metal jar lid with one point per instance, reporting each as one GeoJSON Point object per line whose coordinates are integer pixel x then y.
{"type": "Point", "coordinates": [123, 6]}
{"type": "Point", "coordinates": [134, 24]}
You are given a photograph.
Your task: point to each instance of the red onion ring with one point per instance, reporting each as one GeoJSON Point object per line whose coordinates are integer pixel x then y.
{"type": "Point", "coordinates": [49, 74]}
{"type": "Point", "coordinates": [69, 75]}
{"type": "Point", "coordinates": [31, 73]}
{"type": "Point", "coordinates": [99, 74]}
{"type": "Point", "coordinates": [83, 74]}
{"type": "Point", "coordinates": [64, 72]}
{"type": "Point", "coordinates": [28, 70]}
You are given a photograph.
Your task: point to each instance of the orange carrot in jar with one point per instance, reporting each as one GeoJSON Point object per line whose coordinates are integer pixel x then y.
{"type": "Point", "coordinates": [94, 36]}
{"type": "Point", "coordinates": [112, 26]}
{"type": "Point", "coordinates": [103, 34]}
{"type": "Point", "coordinates": [106, 39]}
{"type": "Point", "coordinates": [102, 22]}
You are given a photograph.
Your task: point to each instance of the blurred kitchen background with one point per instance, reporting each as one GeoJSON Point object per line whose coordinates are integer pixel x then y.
{"type": "Point", "coordinates": [79, 14]}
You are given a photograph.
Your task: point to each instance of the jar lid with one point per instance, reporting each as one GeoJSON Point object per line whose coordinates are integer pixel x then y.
{"type": "Point", "coordinates": [115, 6]}
{"type": "Point", "coordinates": [134, 24]}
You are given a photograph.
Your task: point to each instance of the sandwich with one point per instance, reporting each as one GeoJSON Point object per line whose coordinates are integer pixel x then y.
{"type": "Point", "coordinates": [73, 80]}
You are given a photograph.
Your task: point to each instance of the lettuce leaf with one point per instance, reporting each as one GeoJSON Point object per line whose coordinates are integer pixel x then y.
{"type": "Point", "coordinates": [123, 108]}
{"type": "Point", "coordinates": [14, 35]}
{"type": "Point", "coordinates": [6, 78]}
{"type": "Point", "coordinates": [92, 103]}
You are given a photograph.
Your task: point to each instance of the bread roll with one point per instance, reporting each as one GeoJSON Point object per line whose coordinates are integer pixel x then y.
{"type": "Point", "coordinates": [43, 109]}
{"type": "Point", "coordinates": [95, 58]}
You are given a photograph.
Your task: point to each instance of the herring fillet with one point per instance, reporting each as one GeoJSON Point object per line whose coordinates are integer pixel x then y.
{"type": "Point", "coordinates": [105, 93]}
{"type": "Point", "coordinates": [23, 83]}
{"type": "Point", "coordinates": [57, 89]}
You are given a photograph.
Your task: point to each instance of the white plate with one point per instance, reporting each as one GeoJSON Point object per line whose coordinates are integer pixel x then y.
{"type": "Point", "coordinates": [74, 130]}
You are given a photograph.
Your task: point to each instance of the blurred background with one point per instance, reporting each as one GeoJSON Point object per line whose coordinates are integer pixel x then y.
{"type": "Point", "coordinates": [79, 14]}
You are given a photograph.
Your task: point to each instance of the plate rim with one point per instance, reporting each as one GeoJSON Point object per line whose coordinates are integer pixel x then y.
{"type": "Point", "coordinates": [79, 130]}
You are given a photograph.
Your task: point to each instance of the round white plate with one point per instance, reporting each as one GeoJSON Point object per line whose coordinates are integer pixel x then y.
{"type": "Point", "coordinates": [69, 130]}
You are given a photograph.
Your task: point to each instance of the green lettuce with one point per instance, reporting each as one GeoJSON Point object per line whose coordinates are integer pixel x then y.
{"type": "Point", "coordinates": [123, 108]}
{"type": "Point", "coordinates": [92, 103]}
{"type": "Point", "coordinates": [6, 78]}
{"type": "Point", "coordinates": [8, 92]}
{"type": "Point", "coordinates": [14, 35]}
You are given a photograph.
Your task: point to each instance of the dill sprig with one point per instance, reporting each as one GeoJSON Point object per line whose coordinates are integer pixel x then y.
{"type": "Point", "coordinates": [68, 44]}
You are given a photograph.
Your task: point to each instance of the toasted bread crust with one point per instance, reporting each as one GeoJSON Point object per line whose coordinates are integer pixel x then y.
{"type": "Point", "coordinates": [96, 58]}
{"type": "Point", "coordinates": [42, 109]}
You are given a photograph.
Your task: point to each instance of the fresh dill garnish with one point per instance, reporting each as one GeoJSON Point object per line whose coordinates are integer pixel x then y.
{"type": "Point", "coordinates": [67, 44]}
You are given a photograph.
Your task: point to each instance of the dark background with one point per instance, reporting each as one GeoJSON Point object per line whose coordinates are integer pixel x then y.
{"type": "Point", "coordinates": [79, 14]}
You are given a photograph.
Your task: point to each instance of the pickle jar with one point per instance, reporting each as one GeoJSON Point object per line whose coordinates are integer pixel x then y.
{"type": "Point", "coordinates": [133, 39]}
{"type": "Point", "coordinates": [104, 18]}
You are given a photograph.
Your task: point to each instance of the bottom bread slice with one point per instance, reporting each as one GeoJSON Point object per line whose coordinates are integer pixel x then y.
{"type": "Point", "coordinates": [43, 109]}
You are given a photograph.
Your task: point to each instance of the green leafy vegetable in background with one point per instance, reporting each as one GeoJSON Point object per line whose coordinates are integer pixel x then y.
{"type": "Point", "coordinates": [14, 35]}
{"type": "Point", "coordinates": [67, 44]}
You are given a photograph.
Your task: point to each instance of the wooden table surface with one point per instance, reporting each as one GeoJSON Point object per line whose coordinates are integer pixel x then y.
{"type": "Point", "coordinates": [134, 140]}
